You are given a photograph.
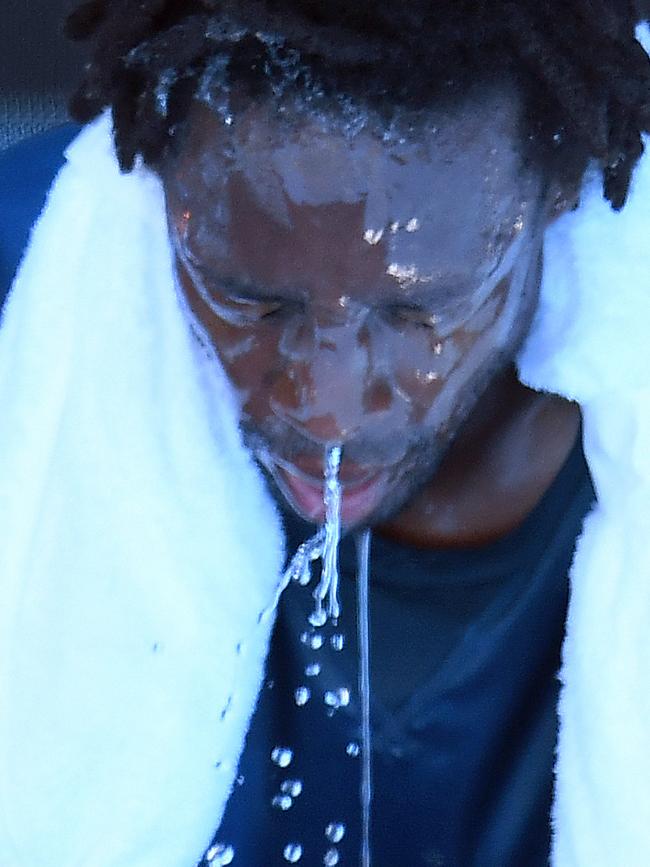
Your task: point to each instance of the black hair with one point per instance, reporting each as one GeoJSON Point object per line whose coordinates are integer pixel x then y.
{"type": "Point", "coordinates": [584, 76]}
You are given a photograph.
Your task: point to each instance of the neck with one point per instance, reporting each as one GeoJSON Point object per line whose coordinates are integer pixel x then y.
{"type": "Point", "coordinates": [497, 470]}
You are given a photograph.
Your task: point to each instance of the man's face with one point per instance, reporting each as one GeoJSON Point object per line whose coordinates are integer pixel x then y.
{"type": "Point", "coordinates": [357, 291]}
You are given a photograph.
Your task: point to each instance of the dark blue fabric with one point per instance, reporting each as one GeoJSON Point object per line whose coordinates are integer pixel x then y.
{"type": "Point", "coordinates": [465, 655]}
{"type": "Point", "coordinates": [26, 173]}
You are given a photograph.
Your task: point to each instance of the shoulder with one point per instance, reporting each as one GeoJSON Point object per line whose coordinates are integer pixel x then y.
{"type": "Point", "coordinates": [26, 174]}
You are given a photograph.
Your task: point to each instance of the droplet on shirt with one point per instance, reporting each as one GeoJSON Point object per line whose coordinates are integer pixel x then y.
{"type": "Point", "coordinates": [282, 756]}
{"type": "Point", "coordinates": [312, 639]}
{"type": "Point", "coordinates": [220, 855]}
{"type": "Point", "coordinates": [337, 641]}
{"type": "Point", "coordinates": [313, 669]}
{"type": "Point", "coordinates": [331, 857]}
{"type": "Point", "coordinates": [240, 780]}
{"type": "Point", "coordinates": [353, 749]}
{"type": "Point", "coordinates": [282, 802]}
{"type": "Point", "coordinates": [302, 695]}
{"type": "Point", "coordinates": [292, 787]}
{"type": "Point", "coordinates": [373, 236]}
{"type": "Point", "coordinates": [292, 852]}
{"type": "Point", "coordinates": [318, 617]}
{"type": "Point", "coordinates": [337, 697]}
{"type": "Point", "coordinates": [335, 832]}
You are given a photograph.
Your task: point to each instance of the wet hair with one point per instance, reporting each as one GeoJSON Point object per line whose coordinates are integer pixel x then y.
{"type": "Point", "coordinates": [584, 78]}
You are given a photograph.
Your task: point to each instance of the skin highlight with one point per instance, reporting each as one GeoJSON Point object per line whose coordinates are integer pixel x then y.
{"type": "Point", "coordinates": [374, 296]}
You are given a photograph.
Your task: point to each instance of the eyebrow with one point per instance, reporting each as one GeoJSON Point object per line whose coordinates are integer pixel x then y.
{"type": "Point", "coordinates": [421, 292]}
{"type": "Point", "coordinates": [245, 288]}
{"type": "Point", "coordinates": [230, 283]}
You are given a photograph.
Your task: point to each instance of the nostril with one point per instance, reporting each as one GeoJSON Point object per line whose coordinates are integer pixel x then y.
{"type": "Point", "coordinates": [378, 396]}
{"type": "Point", "coordinates": [328, 429]}
{"type": "Point", "coordinates": [290, 389]}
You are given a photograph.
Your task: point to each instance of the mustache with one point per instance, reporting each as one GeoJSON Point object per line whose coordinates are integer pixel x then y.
{"type": "Point", "coordinates": [278, 438]}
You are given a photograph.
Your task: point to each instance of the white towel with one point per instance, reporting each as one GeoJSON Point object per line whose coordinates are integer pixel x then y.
{"type": "Point", "coordinates": [136, 545]}
{"type": "Point", "coordinates": [591, 342]}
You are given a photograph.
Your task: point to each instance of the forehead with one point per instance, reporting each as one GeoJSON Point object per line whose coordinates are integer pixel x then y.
{"type": "Point", "coordinates": [448, 190]}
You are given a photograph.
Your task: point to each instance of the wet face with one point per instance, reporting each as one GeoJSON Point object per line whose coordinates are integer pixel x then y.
{"type": "Point", "coordinates": [357, 292]}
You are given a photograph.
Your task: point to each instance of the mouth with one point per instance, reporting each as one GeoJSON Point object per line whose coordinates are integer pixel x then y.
{"type": "Point", "coordinates": [361, 494]}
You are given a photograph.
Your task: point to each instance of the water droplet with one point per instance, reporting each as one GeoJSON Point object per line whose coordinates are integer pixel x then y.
{"type": "Point", "coordinates": [353, 749]}
{"type": "Point", "coordinates": [373, 236]}
{"type": "Point", "coordinates": [318, 617]}
{"type": "Point", "coordinates": [302, 695]}
{"type": "Point", "coordinates": [338, 697]}
{"type": "Point", "coordinates": [282, 756]}
{"type": "Point", "coordinates": [220, 855]}
{"type": "Point", "coordinates": [331, 858]}
{"type": "Point", "coordinates": [335, 832]}
{"type": "Point", "coordinates": [293, 788]}
{"type": "Point", "coordinates": [426, 376]}
{"type": "Point", "coordinates": [337, 641]}
{"type": "Point", "coordinates": [313, 669]}
{"type": "Point", "coordinates": [312, 639]}
{"type": "Point", "coordinates": [413, 225]}
{"type": "Point", "coordinates": [292, 852]}
{"type": "Point", "coordinates": [282, 802]}
{"type": "Point", "coordinates": [240, 780]}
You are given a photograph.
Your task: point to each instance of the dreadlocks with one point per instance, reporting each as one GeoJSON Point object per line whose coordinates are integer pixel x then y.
{"type": "Point", "coordinates": [585, 78]}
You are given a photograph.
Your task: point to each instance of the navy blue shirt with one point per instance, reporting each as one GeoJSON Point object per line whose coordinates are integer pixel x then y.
{"type": "Point", "coordinates": [465, 653]}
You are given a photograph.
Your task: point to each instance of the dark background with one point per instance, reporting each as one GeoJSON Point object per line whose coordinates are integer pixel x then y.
{"type": "Point", "coordinates": [39, 67]}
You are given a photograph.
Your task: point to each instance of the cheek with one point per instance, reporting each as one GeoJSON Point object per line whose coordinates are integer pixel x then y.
{"type": "Point", "coordinates": [435, 372]}
{"type": "Point", "coordinates": [250, 357]}
{"type": "Point", "coordinates": [251, 361]}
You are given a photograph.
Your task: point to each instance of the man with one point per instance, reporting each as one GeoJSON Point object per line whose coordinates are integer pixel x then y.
{"type": "Point", "coordinates": [355, 203]}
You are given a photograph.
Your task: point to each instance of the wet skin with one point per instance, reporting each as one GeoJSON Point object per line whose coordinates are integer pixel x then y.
{"type": "Point", "coordinates": [373, 294]}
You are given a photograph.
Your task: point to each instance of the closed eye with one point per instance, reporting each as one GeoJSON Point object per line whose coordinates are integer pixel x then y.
{"type": "Point", "coordinates": [243, 311]}
{"type": "Point", "coordinates": [412, 314]}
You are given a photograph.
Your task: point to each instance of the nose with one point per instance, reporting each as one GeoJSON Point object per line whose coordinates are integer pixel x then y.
{"type": "Point", "coordinates": [328, 390]}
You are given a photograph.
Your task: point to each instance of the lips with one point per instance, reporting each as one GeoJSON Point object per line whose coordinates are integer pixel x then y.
{"type": "Point", "coordinates": [360, 495]}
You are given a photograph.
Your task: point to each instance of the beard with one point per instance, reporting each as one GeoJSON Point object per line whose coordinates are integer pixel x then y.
{"type": "Point", "coordinates": [410, 458]}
